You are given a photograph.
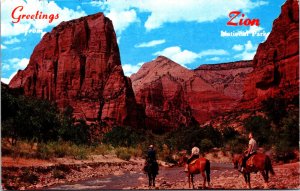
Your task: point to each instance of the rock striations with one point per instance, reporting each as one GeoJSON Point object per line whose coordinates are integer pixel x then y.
{"type": "Point", "coordinates": [276, 63]}
{"type": "Point", "coordinates": [78, 64]}
{"type": "Point", "coordinates": [174, 96]}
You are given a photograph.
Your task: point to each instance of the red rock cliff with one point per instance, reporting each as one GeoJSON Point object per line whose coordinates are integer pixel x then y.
{"type": "Point", "coordinates": [276, 63]}
{"type": "Point", "coordinates": [78, 64]}
{"type": "Point", "coordinates": [174, 96]}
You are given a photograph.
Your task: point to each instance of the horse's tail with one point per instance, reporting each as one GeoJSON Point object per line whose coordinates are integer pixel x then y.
{"type": "Point", "coordinates": [268, 165]}
{"type": "Point", "coordinates": [207, 170]}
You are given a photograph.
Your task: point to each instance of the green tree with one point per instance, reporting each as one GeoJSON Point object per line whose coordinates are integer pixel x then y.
{"type": "Point", "coordinates": [260, 127]}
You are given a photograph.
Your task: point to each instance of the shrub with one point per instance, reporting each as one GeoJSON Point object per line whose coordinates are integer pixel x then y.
{"type": "Point", "coordinates": [261, 129]}
{"type": "Point", "coordinates": [206, 145]}
{"type": "Point", "coordinates": [287, 136]}
{"type": "Point", "coordinates": [229, 133]}
{"type": "Point", "coordinates": [238, 145]}
{"type": "Point", "coordinates": [123, 153]}
{"type": "Point", "coordinates": [185, 138]}
{"type": "Point", "coordinates": [124, 136]}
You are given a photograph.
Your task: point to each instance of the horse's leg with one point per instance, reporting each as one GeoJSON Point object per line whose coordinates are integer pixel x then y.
{"type": "Point", "coordinates": [189, 178]}
{"type": "Point", "coordinates": [264, 174]}
{"type": "Point", "coordinates": [204, 179]}
{"type": "Point", "coordinates": [192, 177]}
{"type": "Point", "coordinates": [246, 179]}
{"type": "Point", "coordinates": [149, 176]}
{"type": "Point", "coordinates": [153, 180]}
{"type": "Point", "coordinates": [249, 185]}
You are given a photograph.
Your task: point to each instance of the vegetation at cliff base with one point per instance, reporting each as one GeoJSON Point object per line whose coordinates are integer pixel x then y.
{"type": "Point", "coordinates": [36, 128]}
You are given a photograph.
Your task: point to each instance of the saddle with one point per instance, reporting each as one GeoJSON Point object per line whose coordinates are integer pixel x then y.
{"type": "Point", "coordinates": [193, 161]}
{"type": "Point", "coordinates": [250, 161]}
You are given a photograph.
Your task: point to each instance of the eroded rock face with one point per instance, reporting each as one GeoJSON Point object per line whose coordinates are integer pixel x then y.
{"type": "Point", "coordinates": [226, 78]}
{"type": "Point", "coordinates": [78, 64]}
{"type": "Point", "coordinates": [174, 96]}
{"type": "Point", "coordinates": [276, 63]}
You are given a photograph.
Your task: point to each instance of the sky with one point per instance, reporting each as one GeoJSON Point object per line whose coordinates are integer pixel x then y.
{"type": "Point", "coordinates": [190, 32]}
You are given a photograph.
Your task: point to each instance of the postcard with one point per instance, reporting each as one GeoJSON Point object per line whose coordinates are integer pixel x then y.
{"type": "Point", "coordinates": [149, 94]}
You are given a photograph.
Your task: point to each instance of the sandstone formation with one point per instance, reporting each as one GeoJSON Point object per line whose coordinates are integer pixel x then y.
{"type": "Point", "coordinates": [174, 96]}
{"type": "Point", "coordinates": [78, 64]}
{"type": "Point", "coordinates": [276, 63]}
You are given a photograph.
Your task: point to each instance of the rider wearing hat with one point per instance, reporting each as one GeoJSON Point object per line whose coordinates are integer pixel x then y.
{"type": "Point", "coordinates": [151, 159]}
{"type": "Point", "coordinates": [151, 155]}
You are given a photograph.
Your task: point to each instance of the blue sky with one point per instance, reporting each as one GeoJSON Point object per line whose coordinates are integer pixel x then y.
{"type": "Point", "coordinates": [188, 32]}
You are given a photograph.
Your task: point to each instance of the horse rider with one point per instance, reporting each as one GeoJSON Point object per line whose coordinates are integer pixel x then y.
{"type": "Point", "coordinates": [252, 148]}
{"type": "Point", "coordinates": [195, 155]}
{"type": "Point", "coordinates": [151, 157]}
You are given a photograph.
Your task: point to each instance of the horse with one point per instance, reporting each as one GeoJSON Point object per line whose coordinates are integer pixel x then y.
{"type": "Point", "coordinates": [200, 165]}
{"type": "Point", "coordinates": [151, 168]}
{"type": "Point", "coordinates": [258, 162]}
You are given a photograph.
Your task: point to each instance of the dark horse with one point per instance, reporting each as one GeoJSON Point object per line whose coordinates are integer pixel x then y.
{"type": "Point", "coordinates": [151, 168]}
{"type": "Point", "coordinates": [201, 165]}
{"type": "Point", "coordinates": [258, 162]}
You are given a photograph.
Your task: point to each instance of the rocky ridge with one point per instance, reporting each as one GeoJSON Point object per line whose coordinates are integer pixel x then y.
{"type": "Point", "coordinates": [78, 65]}
{"type": "Point", "coordinates": [174, 96]}
{"type": "Point", "coordinates": [276, 63]}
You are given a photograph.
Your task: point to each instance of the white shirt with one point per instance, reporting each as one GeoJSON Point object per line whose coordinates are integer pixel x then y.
{"type": "Point", "coordinates": [254, 145]}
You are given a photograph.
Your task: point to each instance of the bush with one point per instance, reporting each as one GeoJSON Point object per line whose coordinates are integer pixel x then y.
{"type": "Point", "coordinates": [229, 133]}
{"type": "Point", "coordinates": [287, 136]}
{"type": "Point", "coordinates": [123, 153]}
{"type": "Point", "coordinates": [61, 149]}
{"type": "Point", "coordinates": [261, 129]}
{"type": "Point", "coordinates": [185, 138]}
{"type": "Point", "coordinates": [238, 145]}
{"type": "Point", "coordinates": [124, 136]}
{"type": "Point", "coordinates": [206, 145]}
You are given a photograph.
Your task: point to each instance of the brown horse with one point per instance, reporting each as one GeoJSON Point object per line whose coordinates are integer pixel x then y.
{"type": "Point", "coordinates": [259, 162]}
{"type": "Point", "coordinates": [201, 165]}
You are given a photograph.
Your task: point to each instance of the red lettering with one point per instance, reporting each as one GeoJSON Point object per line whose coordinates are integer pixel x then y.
{"type": "Point", "coordinates": [13, 14]}
{"type": "Point", "coordinates": [247, 22]}
{"type": "Point", "coordinates": [17, 16]}
{"type": "Point", "coordinates": [235, 13]}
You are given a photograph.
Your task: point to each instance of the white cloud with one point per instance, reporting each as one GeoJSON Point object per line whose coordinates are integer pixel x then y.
{"type": "Point", "coordinates": [30, 7]}
{"type": "Point", "coordinates": [150, 44]}
{"type": "Point", "coordinates": [130, 69]}
{"type": "Point", "coordinates": [42, 34]}
{"type": "Point", "coordinates": [166, 11]}
{"type": "Point", "coordinates": [7, 80]}
{"type": "Point", "coordinates": [140, 63]}
{"type": "Point", "coordinates": [3, 47]}
{"type": "Point", "coordinates": [14, 64]}
{"type": "Point", "coordinates": [121, 20]}
{"type": "Point", "coordinates": [175, 53]}
{"type": "Point", "coordinates": [238, 47]}
{"type": "Point", "coordinates": [5, 67]}
{"type": "Point", "coordinates": [12, 41]}
{"type": "Point", "coordinates": [17, 48]}
{"type": "Point", "coordinates": [17, 63]}
{"type": "Point", "coordinates": [214, 59]}
{"type": "Point", "coordinates": [185, 57]}
{"type": "Point", "coordinates": [249, 51]}
{"type": "Point", "coordinates": [211, 52]}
